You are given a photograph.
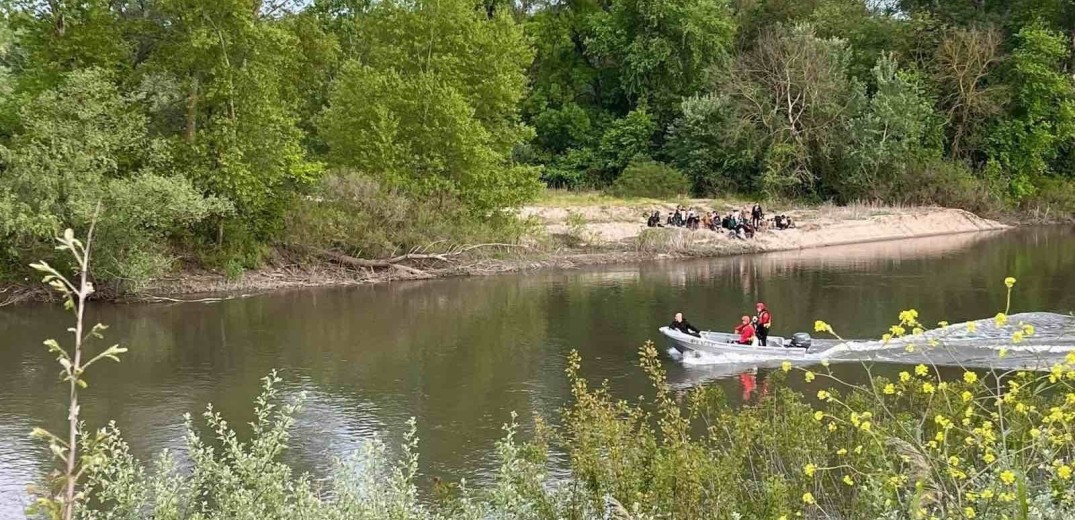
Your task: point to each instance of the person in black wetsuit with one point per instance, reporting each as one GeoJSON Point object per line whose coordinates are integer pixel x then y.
{"type": "Point", "coordinates": [684, 326]}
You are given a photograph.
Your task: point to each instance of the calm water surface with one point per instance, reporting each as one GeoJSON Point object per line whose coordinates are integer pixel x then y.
{"type": "Point", "coordinates": [459, 355]}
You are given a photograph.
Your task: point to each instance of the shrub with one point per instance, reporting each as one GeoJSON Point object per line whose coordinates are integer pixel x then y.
{"type": "Point", "coordinates": [1054, 200]}
{"type": "Point", "coordinates": [355, 214]}
{"type": "Point", "coordinates": [82, 144]}
{"type": "Point", "coordinates": [648, 178]}
{"type": "Point", "coordinates": [946, 183]}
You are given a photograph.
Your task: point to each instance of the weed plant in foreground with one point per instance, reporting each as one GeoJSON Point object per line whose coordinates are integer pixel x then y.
{"type": "Point", "coordinates": [919, 447]}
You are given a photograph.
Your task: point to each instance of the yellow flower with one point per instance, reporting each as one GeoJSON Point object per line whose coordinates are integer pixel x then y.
{"type": "Point", "coordinates": [825, 363]}
{"type": "Point", "coordinates": [987, 494]}
{"type": "Point", "coordinates": [820, 326]}
{"type": "Point", "coordinates": [1017, 337]}
{"type": "Point", "coordinates": [953, 460]}
{"type": "Point", "coordinates": [968, 512]}
{"type": "Point", "coordinates": [967, 396]}
{"type": "Point", "coordinates": [1035, 433]}
{"type": "Point", "coordinates": [921, 370]}
{"type": "Point", "coordinates": [1007, 497]}
{"type": "Point", "coordinates": [909, 348]}
{"type": "Point", "coordinates": [928, 388]}
{"type": "Point", "coordinates": [1064, 472]}
{"type": "Point", "coordinates": [785, 366]}
{"type": "Point", "coordinates": [841, 452]}
{"type": "Point", "coordinates": [848, 480]}
{"type": "Point", "coordinates": [971, 326]}
{"type": "Point", "coordinates": [1000, 319]}
{"type": "Point", "coordinates": [889, 389]}
{"type": "Point", "coordinates": [832, 427]}
{"type": "Point", "coordinates": [909, 316]}
{"type": "Point", "coordinates": [809, 376]}
{"type": "Point", "coordinates": [1028, 329]}
{"type": "Point", "coordinates": [970, 377]}
{"type": "Point", "coordinates": [808, 498]}
{"type": "Point", "coordinates": [823, 395]}
{"type": "Point", "coordinates": [897, 330]}
{"type": "Point", "coordinates": [1010, 282]}
{"type": "Point", "coordinates": [858, 450]}
{"type": "Point", "coordinates": [809, 469]}
{"type": "Point", "coordinates": [865, 426]}
{"type": "Point", "coordinates": [989, 458]}
{"type": "Point", "coordinates": [819, 415]}
{"type": "Point", "coordinates": [905, 377]}
{"type": "Point", "coordinates": [942, 324]}
{"type": "Point", "coordinates": [1007, 477]}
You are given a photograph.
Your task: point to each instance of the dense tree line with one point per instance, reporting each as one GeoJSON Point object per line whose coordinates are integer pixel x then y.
{"type": "Point", "coordinates": [202, 129]}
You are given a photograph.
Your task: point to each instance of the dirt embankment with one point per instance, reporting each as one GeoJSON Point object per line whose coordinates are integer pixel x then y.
{"type": "Point", "coordinates": [591, 234]}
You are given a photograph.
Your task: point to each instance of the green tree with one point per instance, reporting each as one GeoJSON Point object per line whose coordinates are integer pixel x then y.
{"type": "Point", "coordinates": [715, 147]}
{"type": "Point", "coordinates": [793, 88]}
{"type": "Point", "coordinates": [625, 139]}
{"type": "Point", "coordinates": [431, 104]}
{"type": "Point", "coordinates": [81, 144]}
{"type": "Point", "coordinates": [662, 48]}
{"type": "Point", "coordinates": [1041, 116]}
{"type": "Point", "coordinates": [234, 119]}
{"type": "Point", "coordinates": [894, 129]}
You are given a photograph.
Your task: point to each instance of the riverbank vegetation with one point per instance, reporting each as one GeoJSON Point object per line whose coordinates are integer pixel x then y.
{"type": "Point", "coordinates": [932, 443]}
{"type": "Point", "coordinates": [213, 133]}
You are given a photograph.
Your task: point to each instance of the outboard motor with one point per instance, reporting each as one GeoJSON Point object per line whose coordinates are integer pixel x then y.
{"type": "Point", "coordinates": [801, 340]}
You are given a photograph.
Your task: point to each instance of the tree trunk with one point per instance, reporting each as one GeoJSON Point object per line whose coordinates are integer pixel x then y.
{"type": "Point", "coordinates": [192, 112]}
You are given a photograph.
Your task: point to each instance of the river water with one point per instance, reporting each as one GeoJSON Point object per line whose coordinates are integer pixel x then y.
{"type": "Point", "coordinates": [459, 355]}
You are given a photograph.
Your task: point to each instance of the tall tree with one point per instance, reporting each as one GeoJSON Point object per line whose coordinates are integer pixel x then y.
{"type": "Point", "coordinates": [794, 87]}
{"type": "Point", "coordinates": [970, 96]}
{"type": "Point", "coordinates": [431, 103]}
{"type": "Point", "coordinates": [235, 73]}
{"type": "Point", "coordinates": [662, 48]}
{"type": "Point", "coordinates": [1041, 117]}
{"type": "Point", "coordinates": [82, 144]}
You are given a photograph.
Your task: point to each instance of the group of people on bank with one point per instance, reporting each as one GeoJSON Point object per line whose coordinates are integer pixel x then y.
{"type": "Point", "coordinates": [752, 330]}
{"type": "Point", "coordinates": [736, 223]}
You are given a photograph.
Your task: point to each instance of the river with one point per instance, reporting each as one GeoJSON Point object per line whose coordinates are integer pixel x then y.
{"type": "Point", "coordinates": [460, 354]}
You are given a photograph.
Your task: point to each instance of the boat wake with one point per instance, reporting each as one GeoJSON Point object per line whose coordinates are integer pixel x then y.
{"type": "Point", "coordinates": [975, 344]}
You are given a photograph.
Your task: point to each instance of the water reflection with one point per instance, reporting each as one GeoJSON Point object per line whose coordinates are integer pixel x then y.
{"type": "Point", "coordinates": [460, 355]}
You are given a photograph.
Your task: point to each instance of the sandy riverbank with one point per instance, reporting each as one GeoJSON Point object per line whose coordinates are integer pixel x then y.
{"type": "Point", "coordinates": [606, 234]}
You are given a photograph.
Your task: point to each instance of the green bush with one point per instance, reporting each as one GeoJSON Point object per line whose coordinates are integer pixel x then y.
{"type": "Point", "coordinates": [355, 214]}
{"type": "Point", "coordinates": [84, 144]}
{"type": "Point", "coordinates": [946, 183]}
{"type": "Point", "coordinates": [648, 178]}
{"type": "Point", "coordinates": [1054, 200]}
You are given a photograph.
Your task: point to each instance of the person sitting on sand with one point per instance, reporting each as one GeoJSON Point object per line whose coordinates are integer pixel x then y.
{"type": "Point", "coordinates": [684, 326]}
{"type": "Point", "coordinates": [654, 220]}
{"type": "Point", "coordinates": [746, 332]}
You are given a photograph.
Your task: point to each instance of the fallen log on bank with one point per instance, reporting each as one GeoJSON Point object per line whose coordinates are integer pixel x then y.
{"type": "Point", "coordinates": [396, 262]}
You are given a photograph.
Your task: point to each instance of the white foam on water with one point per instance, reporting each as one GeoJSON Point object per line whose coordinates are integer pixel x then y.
{"type": "Point", "coordinates": [1053, 339]}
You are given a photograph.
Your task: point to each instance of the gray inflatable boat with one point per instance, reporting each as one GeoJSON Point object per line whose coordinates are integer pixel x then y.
{"type": "Point", "coordinates": [724, 343]}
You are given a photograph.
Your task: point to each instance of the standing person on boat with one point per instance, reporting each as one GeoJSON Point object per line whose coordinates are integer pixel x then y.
{"type": "Point", "coordinates": [684, 326]}
{"type": "Point", "coordinates": [746, 332]}
{"type": "Point", "coordinates": [764, 319]}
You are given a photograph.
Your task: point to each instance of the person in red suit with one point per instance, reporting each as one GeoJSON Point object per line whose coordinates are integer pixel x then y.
{"type": "Point", "coordinates": [764, 320]}
{"type": "Point", "coordinates": [745, 331]}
